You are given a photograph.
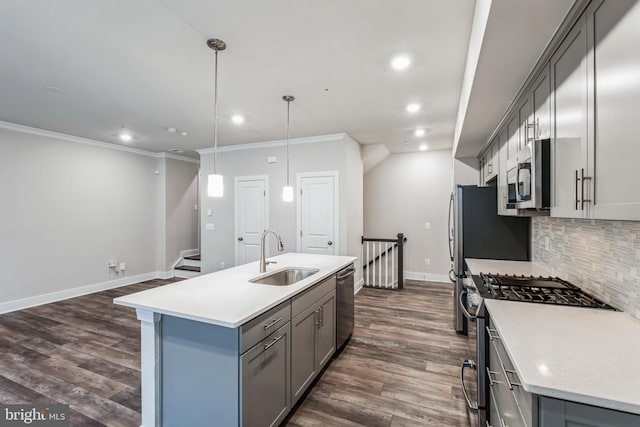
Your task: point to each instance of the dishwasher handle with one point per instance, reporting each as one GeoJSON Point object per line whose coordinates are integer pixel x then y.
{"type": "Point", "coordinates": [349, 271]}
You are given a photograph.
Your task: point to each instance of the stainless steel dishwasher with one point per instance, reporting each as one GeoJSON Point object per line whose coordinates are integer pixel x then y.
{"type": "Point", "coordinates": [345, 305]}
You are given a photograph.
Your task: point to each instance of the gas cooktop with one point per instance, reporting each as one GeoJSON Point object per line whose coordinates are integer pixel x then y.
{"type": "Point", "coordinates": [537, 289]}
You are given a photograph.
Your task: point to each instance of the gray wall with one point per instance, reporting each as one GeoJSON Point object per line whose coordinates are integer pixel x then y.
{"type": "Point", "coordinates": [342, 155]}
{"type": "Point", "coordinates": [402, 193]}
{"type": "Point", "coordinates": [69, 207]}
{"type": "Point", "coordinates": [602, 257]}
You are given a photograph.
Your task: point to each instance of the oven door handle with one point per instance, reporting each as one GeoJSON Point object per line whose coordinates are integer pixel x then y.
{"type": "Point", "coordinates": [466, 313]}
{"type": "Point", "coordinates": [468, 364]}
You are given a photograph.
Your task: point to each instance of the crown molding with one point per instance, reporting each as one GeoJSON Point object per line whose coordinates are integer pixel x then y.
{"type": "Point", "coordinates": [87, 141]}
{"type": "Point", "coordinates": [176, 157]}
{"type": "Point", "coordinates": [276, 143]}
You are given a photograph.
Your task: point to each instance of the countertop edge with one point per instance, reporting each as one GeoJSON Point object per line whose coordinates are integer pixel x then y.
{"type": "Point", "coordinates": [245, 319]}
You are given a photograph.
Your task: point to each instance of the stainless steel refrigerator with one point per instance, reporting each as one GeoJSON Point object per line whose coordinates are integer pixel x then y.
{"type": "Point", "coordinates": [477, 231]}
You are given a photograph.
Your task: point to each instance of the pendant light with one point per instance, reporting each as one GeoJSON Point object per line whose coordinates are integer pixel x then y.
{"type": "Point", "coordinates": [215, 186]}
{"type": "Point", "coordinates": [287, 190]}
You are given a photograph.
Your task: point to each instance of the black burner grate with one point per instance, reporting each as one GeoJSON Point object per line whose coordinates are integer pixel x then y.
{"type": "Point", "coordinates": [546, 290]}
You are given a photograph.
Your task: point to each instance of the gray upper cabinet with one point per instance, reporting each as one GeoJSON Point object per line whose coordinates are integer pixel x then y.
{"type": "Point", "coordinates": [568, 69]}
{"type": "Point", "coordinates": [525, 115]}
{"type": "Point", "coordinates": [503, 190]}
{"type": "Point", "coordinates": [513, 140]}
{"type": "Point", "coordinates": [540, 99]}
{"type": "Point", "coordinates": [614, 63]}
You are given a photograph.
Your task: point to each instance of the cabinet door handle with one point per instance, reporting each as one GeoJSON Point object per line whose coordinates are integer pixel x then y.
{"type": "Point", "coordinates": [493, 334]}
{"type": "Point", "coordinates": [275, 340]}
{"type": "Point", "coordinates": [272, 323]}
{"type": "Point", "coordinates": [240, 239]}
{"type": "Point", "coordinates": [582, 180]}
{"type": "Point", "coordinates": [506, 376]}
{"type": "Point", "coordinates": [576, 192]}
{"type": "Point", "coordinates": [492, 381]}
{"type": "Point", "coordinates": [322, 316]}
{"type": "Point", "coordinates": [316, 318]}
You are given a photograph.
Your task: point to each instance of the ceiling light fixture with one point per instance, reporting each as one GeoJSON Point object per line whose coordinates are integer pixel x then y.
{"type": "Point", "coordinates": [125, 137]}
{"type": "Point", "coordinates": [237, 119]}
{"type": "Point", "coordinates": [413, 107]}
{"type": "Point", "coordinates": [287, 190]}
{"type": "Point", "coordinates": [400, 63]}
{"type": "Point", "coordinates": [419, 132]}
{"type": "Point", "coordinates": [215, 187]}
{"type": "Point", "coordinates": [423, 147]}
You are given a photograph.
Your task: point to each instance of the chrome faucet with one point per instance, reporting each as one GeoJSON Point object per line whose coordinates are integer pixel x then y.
{"type": "Point", "coordinates": [263, 261]}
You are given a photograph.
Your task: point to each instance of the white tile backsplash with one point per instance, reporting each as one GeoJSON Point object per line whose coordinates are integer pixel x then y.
{"type": "Point", "coordinates": [602, 257]}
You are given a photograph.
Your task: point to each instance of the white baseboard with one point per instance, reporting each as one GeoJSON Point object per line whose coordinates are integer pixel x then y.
{"type": "Point", "coordinates": [164, 274]}
{"type": "Point", "coordinates": [189, 252]}
{"type": "Point", "coordinates": [23, 303]}
{"type": "Point", "coordinates": [426, 277]}
{"type": "Point", "coordinates": [358, 286]}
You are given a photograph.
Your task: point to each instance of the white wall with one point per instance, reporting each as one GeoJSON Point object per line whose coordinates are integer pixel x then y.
{"type": "Point", "coordinates": [67, 208]}
{"type": "Point", "coordinates": [337, 153]}
{"type": "Point", "coordinates": [400, 195]}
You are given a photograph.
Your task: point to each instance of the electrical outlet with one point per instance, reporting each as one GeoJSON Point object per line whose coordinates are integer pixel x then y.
{"type": "Point", "coordinates": [209, 226]}
{"type": "Point", "coordinates": [221, 265]}
{"type": "Point", "coordinates": [123, 266]}
{"type": "Point", "coordinates": [112, 263]}
{"type": "Point", "coordinates": [427, 225]}
{"type": "Point", "coordinates": [427, 261]}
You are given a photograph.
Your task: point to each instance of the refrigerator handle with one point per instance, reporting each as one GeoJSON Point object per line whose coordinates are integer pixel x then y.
{"type": "Point", "coordinates": [449, 230]}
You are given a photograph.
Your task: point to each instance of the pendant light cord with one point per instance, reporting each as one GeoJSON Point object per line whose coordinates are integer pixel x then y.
{"type": "Point", "coordinates": [288, 104]}
{"type": "Point", "coordinates": [215, 116]}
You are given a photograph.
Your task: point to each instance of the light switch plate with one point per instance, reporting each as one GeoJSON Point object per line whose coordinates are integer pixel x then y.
{"type": "Point", "coordinates": [427, 225]}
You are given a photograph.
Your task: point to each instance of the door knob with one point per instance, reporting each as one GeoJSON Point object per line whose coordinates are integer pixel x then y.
{"type": "Point", "coordinates": [329, 243]}
{"type": "Point", "coordinates": [240, 239]}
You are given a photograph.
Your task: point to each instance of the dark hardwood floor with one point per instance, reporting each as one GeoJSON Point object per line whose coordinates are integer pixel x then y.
{"type": "Point", "coordinates": [401, 367]}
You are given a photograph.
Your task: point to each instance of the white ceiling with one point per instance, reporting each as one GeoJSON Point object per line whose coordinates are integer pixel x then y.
{"type": "Point", "coordinates": [144, 64]}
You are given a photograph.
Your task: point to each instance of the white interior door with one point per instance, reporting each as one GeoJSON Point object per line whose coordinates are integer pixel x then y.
{"type": "Point", "coordinates": [317, 213]}
{"type": "Point", "coordinates": [250, 216]}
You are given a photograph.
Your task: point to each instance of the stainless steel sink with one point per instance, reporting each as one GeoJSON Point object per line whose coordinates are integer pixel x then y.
{"type": "Point", "coordinates": [285, 277]}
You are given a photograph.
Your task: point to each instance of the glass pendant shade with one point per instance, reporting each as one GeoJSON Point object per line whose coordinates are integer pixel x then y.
{"type": "Point", "coordinates": [215, 186]}
{"type": "Point", "coordinates": [287, 194]}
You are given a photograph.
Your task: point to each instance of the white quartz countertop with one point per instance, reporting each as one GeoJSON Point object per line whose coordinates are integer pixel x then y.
{"type": "Point", "coordinates": [494, 266]}
{"type": "Point", "coordinates": [580, 354]}
{"type": "Point", "coordinates": [226, 297]}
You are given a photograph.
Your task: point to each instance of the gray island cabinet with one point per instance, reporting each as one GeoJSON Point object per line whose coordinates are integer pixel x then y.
{"type": "Point", "coordinates": [214, 375]}
{"type": "Point", "coordinates": [222, 350]}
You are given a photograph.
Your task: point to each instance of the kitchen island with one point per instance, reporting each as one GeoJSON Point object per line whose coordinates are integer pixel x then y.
{"type": "Point", "coordinates": [204, 337]}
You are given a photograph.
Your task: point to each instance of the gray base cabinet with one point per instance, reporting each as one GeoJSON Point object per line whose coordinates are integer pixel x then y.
{"type": "Point", "coordinates": [313, 333]}
{"type": "Point", "coordinates": [265, 380]}
{"type": "Point", "coordinates": [510, 405]}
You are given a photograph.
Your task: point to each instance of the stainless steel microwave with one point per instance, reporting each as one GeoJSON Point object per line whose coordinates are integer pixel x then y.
{"type": "Point", "coordinates": [529, 181]}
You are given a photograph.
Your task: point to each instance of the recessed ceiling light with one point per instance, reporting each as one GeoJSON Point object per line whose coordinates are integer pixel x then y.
{"type": "Point", "coordinates": [237, 119]}
{"type": "Point", "coordinates": [413, 107]}
{"type": "Point", "coordinates": [400, 62]}
{"type": "Point", "coordinates": [184, 133]}
{"type": "Point", "coordinates": [176, 150]}
{"type": "Point", "coordinates": [419, 132]}
{"type": "Point", "coordinates": [125, 137]}
{"type": "Point", "coordinates": [423, 147]}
